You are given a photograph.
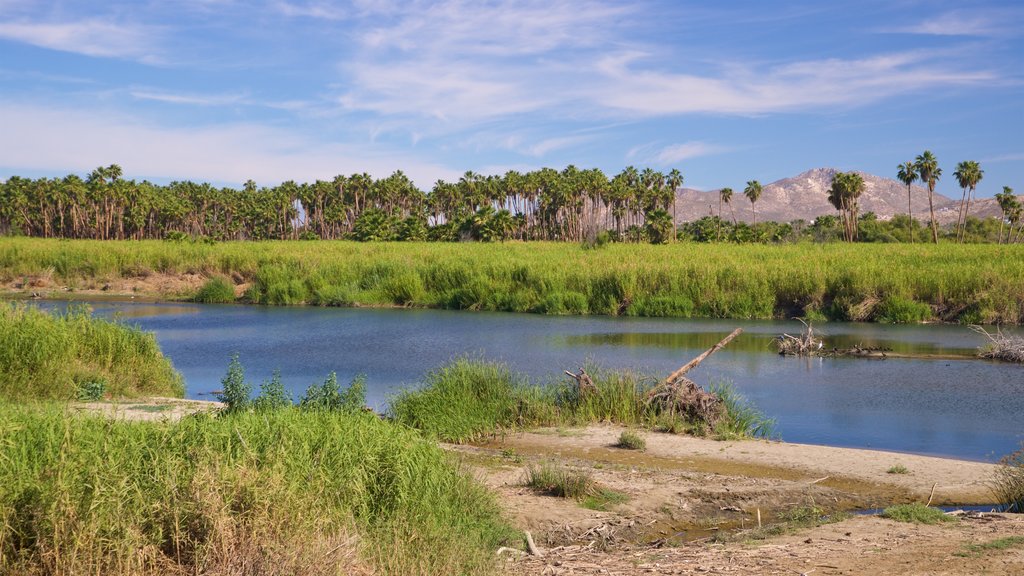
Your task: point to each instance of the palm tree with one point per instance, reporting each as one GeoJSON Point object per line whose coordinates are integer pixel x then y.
{"type": "Point", "coordinates": [928, 169]}
{"type": "Point", "coordinates": [968, 174]}
{"type": "Point", "coordinates": [846, 189]}
{"type": "Point", "coordinates": [675, 181]}
{"type": "Point", "coordinates": [724, 195]}
{"type": "Point", "coordinates": [753, 192]}
{"type": "Point", "coordinates": [1007, 203]}
{"type": "Point", "coordinates": [907, 173]}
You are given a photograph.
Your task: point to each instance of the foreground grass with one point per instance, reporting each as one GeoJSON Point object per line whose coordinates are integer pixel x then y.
{"type": "Point", "coordinates": [469, 400]}
{"type": "Point", "coordinates": [47, 356]}
{"type": "Point", "coordinates": [916, 513]}
{"type": "Point", "coordinates": [891, 283]}
{"type": "Point", "coordinates": [282, 491]}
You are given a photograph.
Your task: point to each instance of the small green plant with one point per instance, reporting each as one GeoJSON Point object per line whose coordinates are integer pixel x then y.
{"type": "Point", "coordinates": [916, 513]}
{"type": "Point", "coordinates": [562, 482]}
{"type": "Point", "coordinates": [631, 441]}
{"type": "Point", "coordinates": [216, 290]}
{"type": "Point", "coordinates": [272, 396]}
{"type": "Point", "coordinates": [604, 499]}
{"type": "Point", "coordinates": [975, 550]}
{"type": "Point", "coordinates": [898, 469]}
{"type": "Point", "coordinates": [235, 391]}
{"type": "Point", "coordinates": [330, 397]}
{"type": "Point", "coordinates": [741, 418]}
{"type": "Point", "coordinates": [91, 389]}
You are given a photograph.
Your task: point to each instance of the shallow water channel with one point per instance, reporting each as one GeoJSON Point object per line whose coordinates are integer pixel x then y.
{"type": "Point", "coordinates": [966, 408]}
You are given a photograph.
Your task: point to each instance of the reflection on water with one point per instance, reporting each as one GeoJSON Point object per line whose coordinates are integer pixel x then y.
{"type": "Point", "coordinates": [965, 408]}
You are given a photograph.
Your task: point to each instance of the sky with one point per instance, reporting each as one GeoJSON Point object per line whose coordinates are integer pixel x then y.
{"type": "Point", "coordinates": [270, 90]}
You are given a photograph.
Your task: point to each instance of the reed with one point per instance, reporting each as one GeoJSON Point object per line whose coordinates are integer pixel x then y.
{"type": "Point", "coordinates": [896, 283]}
{"type": "Point", "coordinates": [60, 356]}
{"type": "Point", "coordinates": [280, 491]}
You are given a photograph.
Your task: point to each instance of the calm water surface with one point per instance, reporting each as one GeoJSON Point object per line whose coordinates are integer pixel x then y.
{"type": "Point", "coordinates": [965, 408]}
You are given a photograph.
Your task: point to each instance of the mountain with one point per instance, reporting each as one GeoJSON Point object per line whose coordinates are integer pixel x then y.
{"type": "Point", "coordinates": [805, 197]}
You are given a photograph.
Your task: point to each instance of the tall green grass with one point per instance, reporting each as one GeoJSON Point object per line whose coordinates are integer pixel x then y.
{"type": "Point", "coordinates": [57, 356]}
{"type": "Point", "coordinates": [468, 400]}
{"type": "Point", "coordinates": [894, 283]}
{"type": "Point", "coordinates": [272, 492]}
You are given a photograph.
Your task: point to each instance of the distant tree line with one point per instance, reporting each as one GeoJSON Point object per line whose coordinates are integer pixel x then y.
{"type": "Point", "coordinates": [570, 205]}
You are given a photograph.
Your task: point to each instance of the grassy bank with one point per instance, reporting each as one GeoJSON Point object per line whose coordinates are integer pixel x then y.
{"type": "Point", "coordinates": [257, 493]}
{"type": "Point", "coordinates": [469, 400]}
{"type": "Point", "coordinates": [896, 283]}
{"type": "Point", "coordinates": [73, 355]}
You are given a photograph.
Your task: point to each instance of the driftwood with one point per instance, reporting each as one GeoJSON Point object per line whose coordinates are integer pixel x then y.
{"type": "Point", "coordinates": [1001, 346]}
{"type": "Point", "coordinates": [584, 383]}
{"type": "Point", "coordinates": [806, 344]}
{"type": "Point", "coordinates": [678, 394]}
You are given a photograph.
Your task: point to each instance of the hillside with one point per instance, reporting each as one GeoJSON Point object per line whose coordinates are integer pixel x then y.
{"type": "Point", "coordinates": [805, 196]}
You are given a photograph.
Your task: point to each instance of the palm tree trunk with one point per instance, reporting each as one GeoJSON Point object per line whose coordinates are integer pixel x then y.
{"type": "Point", "coordinates": [910, 214]}
{"type": "Point", "coordinates": [718, 235]}
{"type": "Point", "coordinates": [967, 210]}
{"type": "Point", "coordinates": [931, 210]}
{"type": "Point", "coordinates": [960, 214]}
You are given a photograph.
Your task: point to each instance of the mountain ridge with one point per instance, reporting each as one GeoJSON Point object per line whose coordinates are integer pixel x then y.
{"type": "Point", "coordinates": [805, 197]}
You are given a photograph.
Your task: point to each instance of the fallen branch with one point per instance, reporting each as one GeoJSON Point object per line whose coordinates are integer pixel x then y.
{"type": "Point", "coordinates": [584, 383]}
{"type": "Point", "coordinates": [693, 363]}
{"type": "Point", "coordinates": [531, 546]}
{"type": "Point", "coordinates": [807, 344]}
{"type": "Point", "coordinates": [1001, 346]}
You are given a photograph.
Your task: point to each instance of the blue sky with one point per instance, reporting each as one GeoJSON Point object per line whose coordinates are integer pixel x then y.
{"type": "Point", "coordinates": [224, 90]}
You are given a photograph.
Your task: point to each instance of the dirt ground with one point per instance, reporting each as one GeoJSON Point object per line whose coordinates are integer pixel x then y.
{"type": "Point", "coordinates": [150, 409]}
{"type": "Point", "coordinates": [692, 505]}
{"type": "Point", "coordinates": [150, 286]}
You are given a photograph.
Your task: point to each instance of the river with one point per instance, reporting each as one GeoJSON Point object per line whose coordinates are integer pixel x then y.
{"type": "Point", "coordinates": [965, 408]}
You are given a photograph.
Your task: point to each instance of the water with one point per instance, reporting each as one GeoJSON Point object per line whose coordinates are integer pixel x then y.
{"type": "Point", "coordinates": [965, 408]}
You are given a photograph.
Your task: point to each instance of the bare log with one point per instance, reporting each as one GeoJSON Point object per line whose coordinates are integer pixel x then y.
{"type": "Point", "coordinates": [532, 547]}
{"type": "Point", "coordinates": [693, 363]}
{"type": "Point", "coordinates": [584, 383]}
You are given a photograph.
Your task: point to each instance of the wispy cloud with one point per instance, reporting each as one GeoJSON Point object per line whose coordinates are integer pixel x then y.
{"type": "Point", "coordinates": [222, 153]}
{"type": "Point", "coordinates": [657, 154]}
{"type": "Point", "coordinates": [92, 37]}
{"type": "Point", "coordinates": [1010, 157]}
{"type": "Point", "coordinates": [317, 10]}
{"type": "Point", "coordinates": [962, 23]}
{"type": "Point", "coordinates": [798, 86]}
{"type": "Point", "coordinates": [191, 99]}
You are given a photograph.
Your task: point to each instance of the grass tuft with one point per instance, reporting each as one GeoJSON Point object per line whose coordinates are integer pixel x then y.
{"type": "Point", "coordinates": [631, 441]}
{"type": "Point", "coordinates": [555, 480]}
{"type": "Point", "coordinates": [1008, 482]}
{"type": "Point", "coordinates": [916, 513]}
{"type": "Point", "coordinates": [898, 469]}
{"type": "Point", "coordinates": [216, 290]}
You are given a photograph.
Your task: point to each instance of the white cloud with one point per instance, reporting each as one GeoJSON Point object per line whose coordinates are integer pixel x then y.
{"type": "Point", "coordinates": [748, 90]}
{"type": "Point", "coordinates": [36, 138]}
{"type": "Point", "coordinates": [960, 23]}
{"type": "Point", "coordinates": [678, 152]}
{"type": "Point", "coordinates": [92, 37]}
{"type": "Point", "coordinates": [192, 99]}
{"type": "Point", "coordinates": [317, 10]}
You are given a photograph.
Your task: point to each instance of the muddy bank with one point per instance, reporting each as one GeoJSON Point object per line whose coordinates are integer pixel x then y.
{"type": "Point", "coordinates": [693, 505]}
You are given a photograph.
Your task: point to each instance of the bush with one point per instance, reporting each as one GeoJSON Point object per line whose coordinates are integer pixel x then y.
{"type": "Point", "coordinates": [272, 396]}
{"type": "Point", "coordinates": [91, 389]}
{"type": "Point", "coordinates": [916, 513]}
{"type": "Point", "coordinates": [631, 441]}
{"type": "Point", "coordinates": [329, 396]}
{"type": "Point", "coordinates": [235, 391]}
{"type": "Point", "coordinates": [896, 310]}
{"type": "Point", "coordinates": [216, 290]}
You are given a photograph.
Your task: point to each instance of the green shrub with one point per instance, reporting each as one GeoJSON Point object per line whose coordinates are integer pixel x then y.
{"type": "Point", "coordinates": [896, 310]}
{"type": "Point", "coordinates": [916, 513]}
{"type": "Point", "coordinates": [331, 398]}
{"type": "Point", "coordinates": [91, 389]}
{"type": "Point", "coordinates": [898, 469]}
{"type": "Point", "coordinates": [235, 391]}
{"type": "Point", "coordinates": [272, 395]}
{"type": "Point", "coordinates": [631, 441]}
{"type": "Point", "coordinates": [216, 290]}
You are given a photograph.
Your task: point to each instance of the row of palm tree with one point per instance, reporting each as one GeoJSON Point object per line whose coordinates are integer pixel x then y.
{"type": "Point", "coordinates": [546, 204]}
